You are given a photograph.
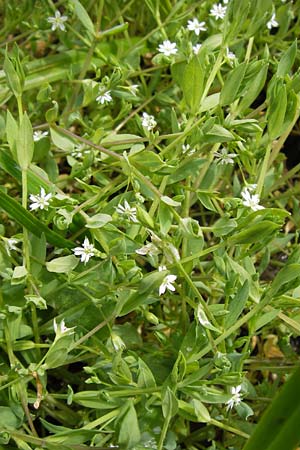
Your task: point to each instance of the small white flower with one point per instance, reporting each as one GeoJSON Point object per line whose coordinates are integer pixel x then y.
{"type": "Point", "coordinates": [236, 397]}
{"type": "Point", "coordinates": [104, 97]}
{"type": "Point", "coordinates": [272, 22]}
{"type": "Point", "coordinates": [57, 21]}
{"type": "Point", "coordinates": [225, 2]}
{"type": "Point", "coordinates": [223, 157]}
{"type": "Point", "coordinates": [218, 11]}
{"type": "Point", "coordinates": [41, 201]}
{"type": "Point", "coordinates": [79, 151]}
{"type": "Point", "coordinates": [167, 282]}
{"type": "Point", "coordinates": [230, 55]}
{"type": "Point", "coordinates": [61, 328]}
{"type": "Point", "coordinates": [10, 245]}
{"type": "Point", "coordinates": [196, 48]}
{"type": "Point", "coordinates": [251, 201]}
{"type": "Point", "coordinates": [186, 149]}
{"type": "Point", "coordinates": [250, 187]}
{"type": "Point", "coordinates": [38, 135]}
{"type": "Point", "coordinates": [168, 48]}
{"type": "Point", "coordinates": [148, 249]}
{"type": "Point", "coordinates": [85, 252]}
{"type": "Point", "coordinates": [196, 26]}
{"type": "Point", "coordinates": [133, 88]}
{"type": "Point", "coordinates": [148, 121]}
{"type": "Point", "coordinates": [128, 211]}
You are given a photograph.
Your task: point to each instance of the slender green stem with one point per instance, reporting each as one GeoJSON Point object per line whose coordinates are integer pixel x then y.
{"type": "Point", "coordinates": [225, 427]}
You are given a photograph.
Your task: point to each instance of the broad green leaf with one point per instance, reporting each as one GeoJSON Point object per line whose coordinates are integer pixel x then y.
{"type": "Point", "coordinates": [169, 403]}
{"type": "Point", "coordinates": [277, 108]}
{"type": "Point", "coordinates": [265, 318]}
{"type": "Point", "coordinates": [145, 376]}
{"type": "Point", "coordinates": [83, 16]}
{"type": "Point", "coordinates": [287, 60]}
{"type": "Point", "coordinates": [64, 264]}
{"type": "Point", "coordinates": [25, 145]}
{"type": "Point", "coordinates": [147, 160]}
{"type": "Point", "coordinates": [61, 140]}
{"type": "Point", "coordinates": [129, 432]}
{"type": "Point", "coordinates": [283, 417]}
{"type": "Point", "coordinates": [8, 419]}
{"type": "Point", "coordinates": [169, 201]}
{"type": "Point", "coordinates": [263, 230]}
{"type": "Point", "coordinates": [217, 134]}
{"type": "Point", "coordinates": [210, 102]}
{"type": "Point", "coordinates": [232, 84]}
{"type": "Point", "coordinates": [13, 79]}
{"type": "Point", "coordinates": [98, 220]}
{"type": "Point", "coordinates": [192, 83]}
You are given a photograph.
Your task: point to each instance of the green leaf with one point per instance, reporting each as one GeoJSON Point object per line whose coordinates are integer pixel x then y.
{"type": "Point", "coordinates": [64, 264]}
{"type": "Point", "coordinates": [277, 108]}
{"type": "Point", "coordinates": [147, 160]}
{"type": "Point", "coordinates": [13, 79]}
{"type": "Point", "coordinates": [237, 304]}
{"type": "Point", "coordinates": [25, 144]}
{"type": "Point", "coordinates": [287, 278]}
{"type": "Point", "coordinates": [256, 82]}
{"type": "Point", "coordinates": [169, 403]}
{"type": "Point", "coordinates": [232, 84]}
{"type": "Point", "coordinates": [287, 60]}
{"type": "Point", "coordinates": [263, 230]}
{"type": "Point", "coordinates": [217, 134]}
{"type": "Point", "coordinates": [12, 131]}
{"type": "Point", "coordinates": [193, 83]}
{"type": "Point", "coordinates": [98, 220]}
{"type": "Point", "coordinates": [283, 416]}
{"type": "Point", "coordinates": [8, 419]}
{"type": "Point", "coordinates": [129, 434]}
{"type": "Point", "coordinates": [145, 376]}
{"type": "Point", "coordinates": [61, 140]}
{"type": "Point", "coordinates": [83, 16]}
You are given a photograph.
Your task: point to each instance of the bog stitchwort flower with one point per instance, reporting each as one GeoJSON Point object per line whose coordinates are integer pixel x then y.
{"type": "Point", "coordinates": [167, 282]}
{"type": "Point", "coordinates": [85, 252]}
{"type": "Point", "coordinates": [168, 48]}
{"type": "Point", "coordinates": [61, 328]}
{"type": "Point", "coordinates": [148, 121]}
{"type": "Point", "coordinates": [41, 201]}
{"type": "Point", "coordinates": [104, 97]}
{"type": "Point", "coordinates": [218, 11]}
{"type": "Point", "coordinates": [223, 157]}
{"type": "Point", "coordinates": [128, 211]}
{"type": "Point", "coordinates": [38, 135]}
{"type": "Point", "coordinates": [57, 21]}
{"type": "Point", "coordinates": [236, 397]}
{"type": "Point", "coordinates": [196, 48]}
{"type": "Point", "coordinates": [272, 22]}
{"type": "Point", "coordinates": [196, 26]}
{"type": "Point", "coordinates": [251, 200]}
{"type": "Point", "coordinates": [148, 249]}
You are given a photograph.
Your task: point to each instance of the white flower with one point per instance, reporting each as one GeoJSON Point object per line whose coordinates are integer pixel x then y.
{"type": "Point", "coordinates": [128, 211]}
{"type": "Point", "coordinates": [236, 397]}
{"type": "Point", "coordinates": [167, 284]}
{"type": "Point", "coordinates": [61, 328]}
{"type": "Point", "coordinates": [57, 21]}
{"type": "Point", "coordinates": [223, 157]}
{"type": "Point", "coordinates": [10, 244]}
{"type": "Point", "coordinates": [38, 135]}
{"type": "Point", "coordinates": [104, 97]}
{"type": "Point", "coordinates": [148, 249]}
{"type": "Point", "coordinates": [41, 201]}
{"type": "Point", "coordinates": [196, 26]}
{"type": "Point", "coordinates": [186, 148]}
{"type": "Point", "coordinates": [218, 11]}
{"type": "Point", "coordinates": [272, 22]}
{"type": "Point", "coordinates": [250, 187]}
{"type": "Point", "coordinates": [252, 201]}
{"type": "Point", "coordinates": [196, 48]}
{"type": "Point", "coordinates": [85, 252]}
{"type": "Point", "coordinates": [229, 54]}
{"type": "Point", "coordinates": [168, 48]}
{"type": "Point", "coordinates": [133, 88]}
{"type": "Point", "coordinates": [148, 121]}
{"type": "Point", "coordinates": [79, 151]}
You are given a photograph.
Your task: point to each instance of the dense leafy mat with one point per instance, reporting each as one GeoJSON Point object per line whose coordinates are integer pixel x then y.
{"type": "Point", "coordinates": [150, 265]}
